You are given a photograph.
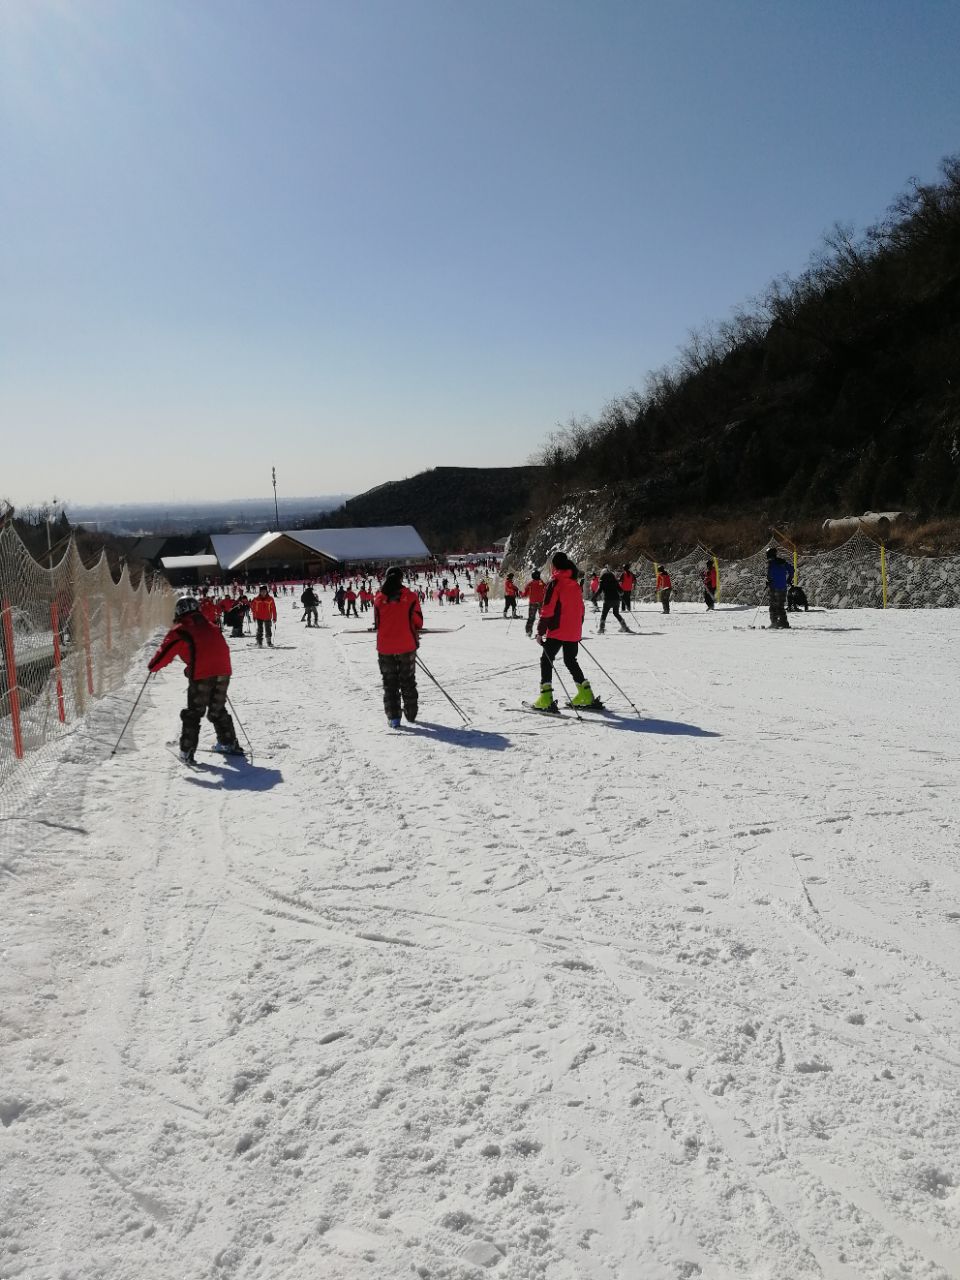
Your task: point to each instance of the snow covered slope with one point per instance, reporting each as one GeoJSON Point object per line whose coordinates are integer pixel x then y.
{"type": "Point", "coordinates": [627, 1000]}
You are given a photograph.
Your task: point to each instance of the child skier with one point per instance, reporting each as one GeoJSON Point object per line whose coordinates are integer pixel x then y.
{"type": "Point", "coordinates": [398, 619]}
{"type": "Point", "coordinates": [483, 592]}
{"type": "Point", "coordinates": [561, 627]}
{"type": "Point", "coordinates": [264, 610]}
{"type": "Point", "coordinates": [206, 655]}
{"type": "Point", "coordinates": [664, 587]}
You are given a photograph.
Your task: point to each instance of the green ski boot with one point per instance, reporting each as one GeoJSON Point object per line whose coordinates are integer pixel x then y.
{"type": "Point", "coordinates": [584, 696]}
{"type": "Point", "coordinates": [545, 702]}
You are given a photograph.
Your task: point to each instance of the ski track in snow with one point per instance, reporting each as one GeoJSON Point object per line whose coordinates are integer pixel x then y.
{"type": "Point", "coordinates": [617, 1000]}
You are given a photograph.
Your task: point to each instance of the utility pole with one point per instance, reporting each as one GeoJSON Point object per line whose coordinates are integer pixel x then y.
{"type": "Point", "coordinates": [275, 507]}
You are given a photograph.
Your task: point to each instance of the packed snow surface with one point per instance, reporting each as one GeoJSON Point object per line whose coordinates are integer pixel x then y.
{"type": "Point", "coordinates": [635, 999]}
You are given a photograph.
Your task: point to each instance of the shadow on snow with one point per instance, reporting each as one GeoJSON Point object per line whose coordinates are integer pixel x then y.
{"type": "Point", "coordinates": [459, 737]}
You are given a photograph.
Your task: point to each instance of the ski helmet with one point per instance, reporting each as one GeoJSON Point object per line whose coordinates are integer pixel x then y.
{"type": "Point", "coordinates": [185, 605]}
{"type": "Point", "coordinates": [771, 553]}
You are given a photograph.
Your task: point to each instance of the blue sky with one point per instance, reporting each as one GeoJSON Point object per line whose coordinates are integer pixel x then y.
{"type": "Point", "coordinates": [361, 238]}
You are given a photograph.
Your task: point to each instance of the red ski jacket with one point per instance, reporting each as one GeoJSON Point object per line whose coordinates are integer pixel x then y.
{"type": "Point", "coordinates": [510, 588]}
{"type": "Point", "coordinates": [397, 621]}
{"type": "Point", "coordinates": [709, 577]}
{"type": "Point", "coordinates": [482, 588]}
{"type": "Point", "coordinates": [562, 615]}
{"type": "Point", "coordinates": [264, 608]}
{"type": "Point", "coordinates": [199, 644]}
{"type": "Point", "coordinates": [626, 581]}
{"type": "Point", "coordinates": [535, 591]}
{"type": "Point", "coordinates": [663, 581]}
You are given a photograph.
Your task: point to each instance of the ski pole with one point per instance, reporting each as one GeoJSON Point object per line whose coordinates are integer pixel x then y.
{"type": "Point", "coordinates": [611, 679]}
{"type": "Point", "coordinates": [233, 712]}
{"type": "Point", "coordinates": [459, 710]}
{"type": "Point", "coordinates": [130, 716]}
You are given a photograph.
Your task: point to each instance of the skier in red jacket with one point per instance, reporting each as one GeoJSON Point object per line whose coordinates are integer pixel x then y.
{"type": "Point", "coordinates": [561, 627]}
{"type": "Point", "coordinates": [510, 593]}
{"type": "Point", "coordinates": [264, 609]}
{"type": "Point", "coordinates": [483, 591]}
{"type": "Point", "coordinates": [202, 648]}
{"type": "Point", "coordinates": [398, 619]}
{"type": "Point", "coordinates": [534, 592]}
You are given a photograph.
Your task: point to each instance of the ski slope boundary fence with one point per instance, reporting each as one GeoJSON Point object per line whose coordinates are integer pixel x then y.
{"type": "Point", "coordinates": [68, 636]}
{"type": "Point", "coordinates": [859, 574]}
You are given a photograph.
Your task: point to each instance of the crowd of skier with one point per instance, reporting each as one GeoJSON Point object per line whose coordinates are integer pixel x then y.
{"type": "Point", "coordinates": [394, 599]}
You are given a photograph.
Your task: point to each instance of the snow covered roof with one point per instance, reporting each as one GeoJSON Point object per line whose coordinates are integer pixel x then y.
{"type": "Point", "coordinates": [189, 562]}
{"type": "Point", "coordinates": [228, 546]}
{"type": "Point", "coordinates": [381, 542]}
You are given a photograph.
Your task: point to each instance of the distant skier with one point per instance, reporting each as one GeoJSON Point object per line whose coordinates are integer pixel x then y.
{"type": "Point", "coordinates": [609, 587]}
{"type": "Point", "coordinates": [595, 590]}
{"type": "Point", "coordinates": [483, 595]}
{"type": "Point", "coordinates": [208, 606]}
{"type": "Point", "coordinates": [351, 598]}
{"type": "Point", "coordinates": [534, 592]}
{"type": "Point", "coordinates": [264, 610]}
{"type": "Point", "coordinates": [561, 628]}
{"type": "Point", "coordinates": [201, 647]}
{"type": "Point", "coordinates": [340, 597]}
{"type": "Point", "coordinates": [708, 577]}
{"type": "Point", "coordinates": [797, 599]}
{"type": "Point", "coordinates": [310, 600]}
{"type": "Point", "coordinates": [510, 593]}
{"type": "Point", "coordinates": [398, 620]}
{"type": "Point", "coordinates": [779, 578]}
{"type": "Point", "coordinates": [664, 587]}
{"type": "Point", "coordinates": [627, 581]}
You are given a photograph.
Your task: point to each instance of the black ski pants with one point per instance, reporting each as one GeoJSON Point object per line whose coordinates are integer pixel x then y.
{"type": "Point", "coordinates": [665, 595]}
{"type": "Point", "coordinates": [708, 597]}
{"type": "Point", "coordinates": [548, 657]}
{"type": "Point", "coordinates": [510, 603]}
{"type": "Point", "coordinates": [352, 609]}
{"type": "Point", "coordinates": [611, 604]}
{"type": "Point", "coordinates": [625, 597]}
{"type": "Point", "coordinates": [532, 612]}
{"type": "Point", "coordinates": [264, 624]}
{"type": "Point", "coordinates": [207, 698]}
{"type": "Point", "coordinates": [399, 674]}
{"type": "Point", "coordinates": [484, 604]}
{"type": "Point", "coordinates": [310, 615]}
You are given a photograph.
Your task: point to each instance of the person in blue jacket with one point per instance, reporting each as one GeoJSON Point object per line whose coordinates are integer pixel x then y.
{"type": "Point", "coordinates": [779, 578]}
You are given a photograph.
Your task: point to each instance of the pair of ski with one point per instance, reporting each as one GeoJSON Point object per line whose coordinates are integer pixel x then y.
{"type": "Point", "coordinates": [197, 765]}
{"type": "Point", "coordinates": [596, 708]}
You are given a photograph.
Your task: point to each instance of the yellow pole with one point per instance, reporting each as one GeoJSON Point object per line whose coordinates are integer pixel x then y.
{"type": "Point", "coordinates": [883, 572]}
{"type": "Point", "coordinates": [656, 574]}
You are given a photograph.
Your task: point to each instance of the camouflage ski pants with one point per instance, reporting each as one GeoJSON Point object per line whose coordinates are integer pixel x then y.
{"type": "Point", "coordinates": [207, 697]}
{"type": "Point", "coordinates": [399, 674]}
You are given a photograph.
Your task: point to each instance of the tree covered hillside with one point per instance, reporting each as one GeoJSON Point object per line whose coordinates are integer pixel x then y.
{"type": "Point", "coordinates": [453, 508]}
{"type": "Point", "coordinates": [838, 390]}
